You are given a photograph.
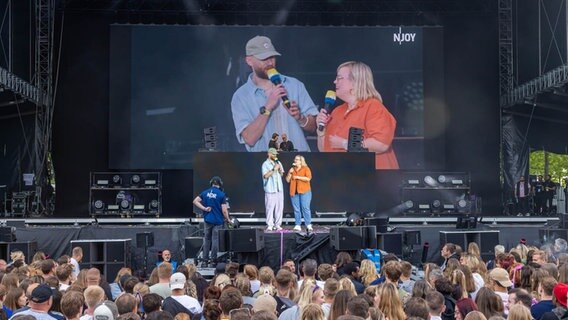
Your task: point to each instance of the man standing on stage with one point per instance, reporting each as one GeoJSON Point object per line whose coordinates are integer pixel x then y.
{"type": "Point", "coordinates": [522, 193]}
{"type": "Point", "coordinates": [272, 172]}
{"type": "Point", "coordinates": [257, 107]}
{"type": "Point", "coordinates": [549, 191]}
{"type": "Point", "coordinates": [538, 195]}
{"type": "Point", "coordinates": [213, 203]}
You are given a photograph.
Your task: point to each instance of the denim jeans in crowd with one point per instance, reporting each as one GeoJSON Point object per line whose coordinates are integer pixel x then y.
{"type": "Point", "coordinates": [301, 203]}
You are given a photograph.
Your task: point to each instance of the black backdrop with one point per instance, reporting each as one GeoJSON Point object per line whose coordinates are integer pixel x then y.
{"type": "Point", "coordinates": [469, 131]}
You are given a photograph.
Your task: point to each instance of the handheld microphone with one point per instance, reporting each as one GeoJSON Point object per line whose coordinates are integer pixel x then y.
{"type": "Point", "coordinates": [275, 78]}
{"type": "Point", "coordinates": [328, 103]}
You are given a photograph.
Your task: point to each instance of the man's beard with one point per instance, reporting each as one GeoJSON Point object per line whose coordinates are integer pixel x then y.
{"type": "Point", "coordinates": [260, 73]}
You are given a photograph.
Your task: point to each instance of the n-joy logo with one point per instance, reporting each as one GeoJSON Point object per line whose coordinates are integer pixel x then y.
{"type": "Point", "coordinates": [403, 37]}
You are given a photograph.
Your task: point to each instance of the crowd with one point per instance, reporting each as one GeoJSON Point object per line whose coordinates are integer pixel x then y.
{"type": "Point", "coordinates": [522, 283]}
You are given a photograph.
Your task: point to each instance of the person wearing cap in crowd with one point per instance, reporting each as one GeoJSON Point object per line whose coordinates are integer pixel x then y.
{"type": "Point", "coordinates": [257, 106]}
{"type": "Point", "coordinates": [272, 172]}
{"type": "Point", "coordinates": [106, 311]}
{"type": "Point", "coordinates": [40, 302]}
{"type": "Point", "coordinates": [560, 312]}
{"type": "Point", "coordinates": [179, 301]}
{"type": "Point", "coordinates": [499, 283]}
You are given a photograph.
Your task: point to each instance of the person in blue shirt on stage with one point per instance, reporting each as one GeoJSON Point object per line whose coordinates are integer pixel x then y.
{"type": "Point", "coordinates": [213, 203]}
{"type": "Point", "coordinates": [257, 106]}
{"type": "Point", "coordinates": [167, 257]}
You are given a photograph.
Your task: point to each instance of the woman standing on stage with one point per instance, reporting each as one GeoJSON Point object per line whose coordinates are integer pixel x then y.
{"type": "Point", "coordinates": [299, 178]}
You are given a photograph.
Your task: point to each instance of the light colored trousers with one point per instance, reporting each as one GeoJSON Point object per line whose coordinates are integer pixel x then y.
{"type": "Point", "coordinates": [274, 203]}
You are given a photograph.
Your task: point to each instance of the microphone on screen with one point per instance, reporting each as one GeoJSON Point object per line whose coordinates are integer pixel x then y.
{"type": "Point", "coordinates": [329, 101]}
{"type": "Point", "coordinates": [275, 78]}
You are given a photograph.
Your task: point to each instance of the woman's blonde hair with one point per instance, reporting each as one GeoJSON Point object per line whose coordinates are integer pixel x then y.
{"type": "Point", "coordinates": [17, 255]}
{"type": "Point", "coordinates": [362, 77]}
{"type": "Point", "coordinates": [458, 278]}
{"type": "Point", "coordinates": [389, 302]}
{"type": "Point", "coordinates": [475, 315]}
{"type": "Point", "coordinates": [346, 284]}
{"type": "Point", "coordinates": [473, 248]}
{"type": "Point", "coordinates": [305, 296]}
{"type": "Point", "coordinates": [302, 160]}
{"type": "Point", "coordinates": [368, 272]}
{"type": "Point", "coordinates": [519, 312]}
{"type": "Point", "coordinates": [312, 311]}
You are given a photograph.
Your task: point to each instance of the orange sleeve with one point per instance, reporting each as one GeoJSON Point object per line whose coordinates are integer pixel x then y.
{"type": "Point", "coordinates": [379, 123]}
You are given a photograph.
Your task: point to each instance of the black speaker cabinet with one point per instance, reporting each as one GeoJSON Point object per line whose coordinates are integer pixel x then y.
{"type": "Point", "coordinates": [192, 247]}
{"type": "Point", "coordinates": [390, 242]}
{"type": "Point", "coordinates": [7, 234]}
{"type": "Point", "coordinates": [381, 223]}
{"type": "Point", "coordinates": [241, 240]}
{"type": "Point", "coordinates": [145, 240]}
{"type": "Point", "coordinates": [28, 248]}
{"type": "Point", "coordinates": [486, 240]}
{"type": "Point", "coordinates": [353, 238]}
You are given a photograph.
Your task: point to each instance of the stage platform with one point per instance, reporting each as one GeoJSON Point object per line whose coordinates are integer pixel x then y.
{"type": "Point", "coordinates": [53, 236]}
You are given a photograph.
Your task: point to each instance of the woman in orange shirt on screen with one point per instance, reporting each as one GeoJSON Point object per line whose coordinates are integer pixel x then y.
{"type": "Point", "coordinates": [362, 108]}
{"type": "Point", "coordinates": [299, 178]}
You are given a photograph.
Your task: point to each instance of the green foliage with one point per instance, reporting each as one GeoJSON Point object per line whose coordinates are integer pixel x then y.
{"type": "Point", "coordinates": [557, 164]}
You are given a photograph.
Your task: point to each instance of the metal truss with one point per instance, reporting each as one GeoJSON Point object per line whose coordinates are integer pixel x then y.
{"type": "Point", "coordinates": [45, 15]}
{"type": "Point", "coordinates": [21, 87]}
{"type": "Point", "coordinates": [552, 79]}
{"type": "Point", "coordinates": [505, 48]}
{"type": "Point", "coordinates": [257, 6]}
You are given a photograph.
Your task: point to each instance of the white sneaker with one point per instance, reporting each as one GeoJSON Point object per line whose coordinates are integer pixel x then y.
{"type": "Point", "coordinates": [269, 228]}
{"type": "Point", "coordinates": [297, 228]}
{"type": "Point", "coordinates": [278, 228]}
{"type": "Point", "coordinates": [309, 228]}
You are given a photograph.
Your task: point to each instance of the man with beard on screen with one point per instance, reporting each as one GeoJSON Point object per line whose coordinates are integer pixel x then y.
{"type": "Point", "coordinates": [257, 106]}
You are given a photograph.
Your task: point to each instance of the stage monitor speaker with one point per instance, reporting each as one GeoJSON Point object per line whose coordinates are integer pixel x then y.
{"type": "Point", "coordinates": [241, 240]}
{"type": "Point", "coordinates": [390, 242]}
{"type": "Point", "coordinates": [145, 239]}
{"type": "Point", "coordinates": [353, 238]}
{"type": "Point", "coordinates": [192, 247]}
{"type": "Point", "coordinates": [381, 223]}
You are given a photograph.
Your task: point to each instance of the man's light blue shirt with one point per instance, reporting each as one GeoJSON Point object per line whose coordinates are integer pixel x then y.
{"type": "Point", "coordinates": [272, 184]}
{"type": "Point", "coordinates": [246, 104]}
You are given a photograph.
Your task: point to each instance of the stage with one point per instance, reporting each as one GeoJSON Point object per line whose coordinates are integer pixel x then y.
{"type": "Point", "coordinates": [54, 237]}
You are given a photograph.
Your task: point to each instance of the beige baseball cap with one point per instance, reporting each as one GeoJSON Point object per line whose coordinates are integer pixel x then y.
{"type": "Point", "coordinates": [261, 48]}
